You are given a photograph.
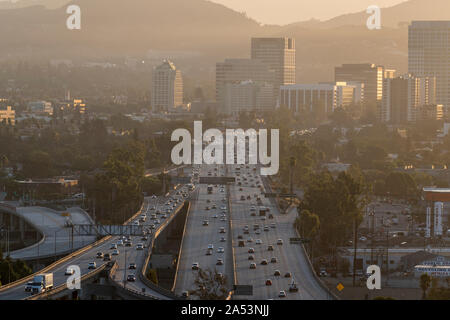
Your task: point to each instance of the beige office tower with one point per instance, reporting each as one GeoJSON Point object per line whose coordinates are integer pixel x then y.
{"type": "Point", "coordinates": [408, 98]}
{"type": "Point", "coordinates": [279, 55]}
{"type": "Point", "coordinates": [236, 71]}
{"type": "Point", "coordinates": [248, 96]}
{"type": "Point", "coordinates": [429, 55]}
{"type": "Point", "coordinates": [369, 74]}
{"type": "Point", "coordinates": [167, 87]}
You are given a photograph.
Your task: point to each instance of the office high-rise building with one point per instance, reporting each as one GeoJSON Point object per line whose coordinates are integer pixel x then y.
{"type": "Point", "coordinates": [279, 55]}
{"type": "Point", "coordinates": [235, 71]}
{"type": "Point", "coordinates": [404, 96]}
{"type": "Point", "coordinates": [429, 55]}
{"type": "Point", "coordinates": [322, 98]}
{"type": "Point", "coordinates": [369, 74]}
{"type": "Point", "coordinates": [247, 96]}
{"type": "Point", "coordinates": [167, 87]}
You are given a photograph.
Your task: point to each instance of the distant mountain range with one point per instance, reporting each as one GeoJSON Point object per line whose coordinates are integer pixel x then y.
{"type": "Point", "coordinates": [208, 31]}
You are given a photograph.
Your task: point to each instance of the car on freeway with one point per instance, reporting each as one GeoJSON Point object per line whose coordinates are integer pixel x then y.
{"type": "Point", "coordinates": [268, 282]}
{"type": "Point", "coordinates": [69, 271]}
{"type": "Point", "coordinates": [251, 250]}
{"type": "Point", "coordinates": [185, 294]}
{"type": "Point", "coordinates": [222, 230]}
{"type": "Point", "coordinates": [209, 252]}
{"type": "Point", "coordinates": [119, 243]}
{"type": "Point", "coordinates": [273, 260]}
{"type": "Point", "coordinates": [264, 262]}
{"type": "Point", "coordinates": [195, 266]}
{"type": "Point", "coordinates": [92, 265]}
{"type": "Point", "coordinates": [219, 262]}
{"type": "Point", "coordinates": [106, 257]}
{"type": "Point", "coordinates": [205, 223]}
{"type": "Point", "coordinates": [99, 255]}
{"type": "Point", "coordinates": [273, 225]}
{"type": "Point", "coordinates": [251, 257]}
{"type": "Point", "coordinates": [287, 275]}
{"type": "Point", "coordinates": [266, 228]}
{"type": "Point", "coordinates": [269, 248]}
{"type": "Point", "coordinates": [115, 252]}
{"type": "Point", "coordinates": [258, 241]}
{"type": "Point", "coordinates": [223, 239]}
{"type": "Point", "coordinates": [252, 265]}
{"type": "Point", "coordinates": [277, 273]}
{"type": "Point", "coordinates": [282, 294]}
{"type": "Point", "coordinates": [29, 286]}
{"type": "Point", "coordinates": [210, 246]}
{"type": "Point", "coordinates": [140, 246]}
{"type": "Point", "coordinates": [131, 278]}
{"type": "Point", "coordinates": [132, 266]}
{"type": "Point", "coordinates": [280, 242]}
{"type": "Point", "coordinates": [220, 250]}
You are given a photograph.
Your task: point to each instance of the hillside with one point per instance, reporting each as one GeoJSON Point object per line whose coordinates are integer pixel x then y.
{"type": "Point", "coordinates": [206, 32]}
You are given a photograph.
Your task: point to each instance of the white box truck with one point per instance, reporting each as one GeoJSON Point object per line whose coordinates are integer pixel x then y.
{"type": "Point", "coordinates": [42, 283]}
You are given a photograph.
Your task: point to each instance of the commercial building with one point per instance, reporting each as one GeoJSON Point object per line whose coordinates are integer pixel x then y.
{"type": "Point", "coordinates": [8, 116]}
{"type": "Point", "coordinates": [167, 87]}
{"type": "Point", "coordinates": [236, 71]}
{"type": "Point", "coordinates": [370, 75]}
{"type": "Point", "coordinates": [429, 55]}
{"type": "Point", "coordinates": [279, 55]}
{"type": "Point", "coordinates": [405, 98]}
{"type": "Point", "coordinates": [40, 107]}
{"type": "Point", "coordinates": [248, 96]}
{"type": "Point", "coordinates": [322, 98]}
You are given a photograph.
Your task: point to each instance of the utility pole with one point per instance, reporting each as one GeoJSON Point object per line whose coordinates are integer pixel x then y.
{"type": "Point", "coordinates": [355, 239]}
{"type": "Point", "coordinates": [292, 162]}
{"type": "Point", "coordinates": [387, 255]}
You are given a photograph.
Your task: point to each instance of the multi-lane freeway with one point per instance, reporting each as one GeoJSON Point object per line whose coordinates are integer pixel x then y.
{"type": "Point", "coordinates": [206, 241]}
{"type": "Point", "coordinates": [266, 239]}
{"type": "Point", "coordinates": [259, 245]}
{"type": "Point", "coordinates": [151, 204]}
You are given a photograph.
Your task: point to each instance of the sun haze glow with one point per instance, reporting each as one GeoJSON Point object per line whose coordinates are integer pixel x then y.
{"type": "Point", "coordinates": [288, 11]}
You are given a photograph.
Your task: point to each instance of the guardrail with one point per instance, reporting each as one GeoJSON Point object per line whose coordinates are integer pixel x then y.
{"type": "Point", "coordinates": [63, 287]}
{"type": "Point", "coordinates": [181, 245]}
{"type": "Point", "coordinates": [64, 259]}
{"type": "Point", "coordinates": [127, 291]}
{"type": "Point", "coordinates": [143, 271]}
{"type": "Point", "coordinates": [230, 223]}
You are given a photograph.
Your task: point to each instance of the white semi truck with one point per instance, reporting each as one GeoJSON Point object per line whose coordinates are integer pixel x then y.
{"type": "Point", "coordinates": [42, 282]}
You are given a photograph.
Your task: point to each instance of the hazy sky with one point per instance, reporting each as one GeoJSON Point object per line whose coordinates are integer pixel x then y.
{"type": "Point", "coordinates": [287, 11]}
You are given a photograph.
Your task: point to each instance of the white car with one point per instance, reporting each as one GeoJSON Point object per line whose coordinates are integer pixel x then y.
{"type": "Point", "coordinates": [119, 243]}
{"type": "Point", "coordinates": [69, 271]}
{"type": "Point", "coordinates": [115, 252]}
{"type": "Point", "coordinates": [92, 265]}
{"type": "Point", "coordinates": [220, 250]}
{"type": "Point", "coordinates": [139, 246]}
{"type": "Point", "coordinates": [210, 246]}
{"type": "Point", "coordinates": [258, 241]}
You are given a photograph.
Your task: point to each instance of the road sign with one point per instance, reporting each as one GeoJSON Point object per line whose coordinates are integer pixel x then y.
{"type": "Point", "coordinates": [287, 195]}
{"type": "Point", "coordinates": [217, 180]}
{"type": "Point", "coordinates": [243, 290]}
{"type": "Point", "coordinates": [299, 240]}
